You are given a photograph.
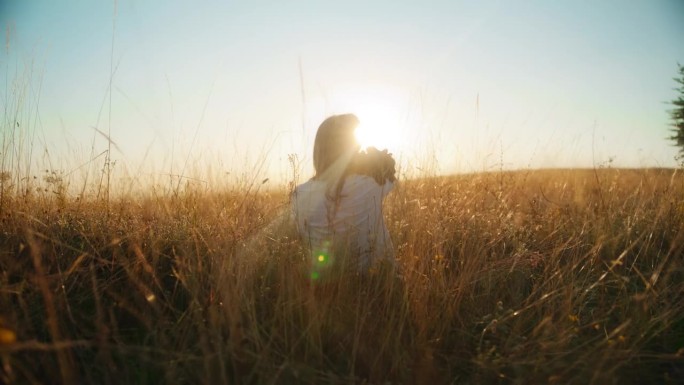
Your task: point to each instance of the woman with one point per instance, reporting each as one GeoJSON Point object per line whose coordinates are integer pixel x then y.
{"type": "Point", "coordinates": [339, 211]}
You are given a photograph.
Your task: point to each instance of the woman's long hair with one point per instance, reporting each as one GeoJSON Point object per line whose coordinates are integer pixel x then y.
{"type": "Point", "coordinates": [334, 147]}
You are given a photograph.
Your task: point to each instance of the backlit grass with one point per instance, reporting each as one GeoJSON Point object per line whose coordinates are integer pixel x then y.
{"type": "Point", "coordinates": [557, 276]}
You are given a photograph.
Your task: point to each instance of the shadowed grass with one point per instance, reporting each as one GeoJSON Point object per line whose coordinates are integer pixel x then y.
{"type": "Point", "coordinates": [517, 277]}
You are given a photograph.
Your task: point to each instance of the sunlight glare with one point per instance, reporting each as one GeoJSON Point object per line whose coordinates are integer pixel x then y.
{"type": "Point", "coordinates": [382, 112]}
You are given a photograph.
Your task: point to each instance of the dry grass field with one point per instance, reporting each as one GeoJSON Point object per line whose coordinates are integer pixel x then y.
{"type": "Point", "coordinates": [534, 277]}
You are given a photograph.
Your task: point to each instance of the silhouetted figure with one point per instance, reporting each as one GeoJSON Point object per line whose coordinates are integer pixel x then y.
{"type": "Point", "coordinates": [339, 211]}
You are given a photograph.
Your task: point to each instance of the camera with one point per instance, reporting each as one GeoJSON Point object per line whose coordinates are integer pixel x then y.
{"type": "Point", "coordinates": [375, 163]}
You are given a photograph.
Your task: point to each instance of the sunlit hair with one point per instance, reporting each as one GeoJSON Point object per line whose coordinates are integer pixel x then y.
{"type": "Point", "coordinates": [334, 139]}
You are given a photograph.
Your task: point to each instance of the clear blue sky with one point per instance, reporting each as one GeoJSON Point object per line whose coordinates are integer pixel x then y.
{"type": "Point", "coordinates": [216, 84]}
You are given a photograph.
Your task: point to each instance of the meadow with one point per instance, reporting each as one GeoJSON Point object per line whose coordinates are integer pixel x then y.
{"type": "Point", "coordinates": [532, 276]}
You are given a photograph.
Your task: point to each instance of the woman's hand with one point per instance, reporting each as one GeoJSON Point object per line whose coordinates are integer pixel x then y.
{"type": "Point", "coordinates": [380, 165]}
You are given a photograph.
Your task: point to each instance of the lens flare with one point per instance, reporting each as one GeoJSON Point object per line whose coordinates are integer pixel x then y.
{"type": "Point", "coordinates": [320, 260]}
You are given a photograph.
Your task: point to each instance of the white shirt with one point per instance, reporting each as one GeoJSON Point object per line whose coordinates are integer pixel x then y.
{"type": "Point", "coordinates": [355, 225]}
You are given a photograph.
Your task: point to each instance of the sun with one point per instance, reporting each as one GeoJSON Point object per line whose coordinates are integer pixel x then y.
{"type": "Point", "coordinates": [379, 128]}
{"type": "Point", "coordinates": [382, 113]}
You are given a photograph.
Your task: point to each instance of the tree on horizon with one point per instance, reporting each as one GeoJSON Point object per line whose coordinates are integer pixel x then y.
{"type": "Point", "coordinates": [677, 114]}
